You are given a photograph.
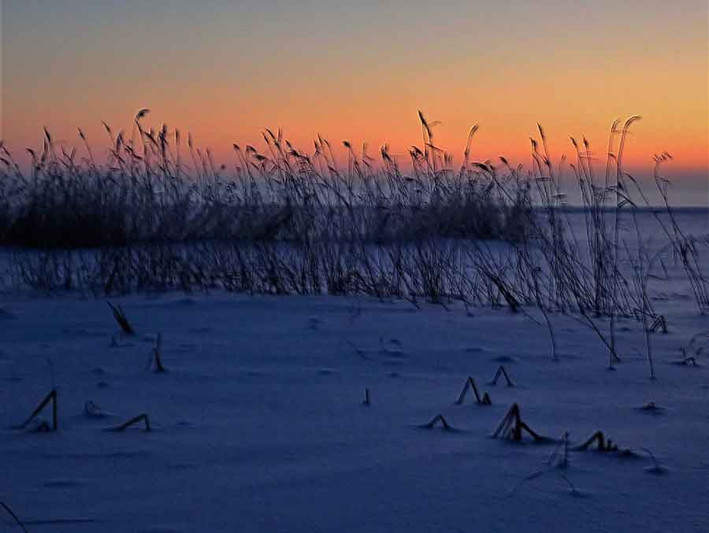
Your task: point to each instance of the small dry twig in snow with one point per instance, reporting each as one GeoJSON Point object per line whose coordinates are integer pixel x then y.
{"type": "Point", "coordinates": [122, 319]}
{"type": "Point", "coordinates": [51, 397]}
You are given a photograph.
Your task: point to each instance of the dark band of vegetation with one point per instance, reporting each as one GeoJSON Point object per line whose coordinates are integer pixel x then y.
{"type": "Point", "coordinates": [159, 214]}
{"type": "Point", "coordinates": [154, 188]}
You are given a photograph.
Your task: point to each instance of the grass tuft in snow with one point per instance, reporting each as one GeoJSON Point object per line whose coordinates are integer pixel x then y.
{"type": "Point", "coordinates": [156, 355]}
{"type": "Point", "coordinates": [501, 372]}
{"type": "Point", "coordinates": [512, 427]}
{"type": "Point", "coordinates": [603, 444]}
{"type": "Point", "coordinates": [91, 410]}
{"type": "Point", "coordinates": [470, 385]}
{"type": "Point", "coordinates": [44, 427]}
{"type": "Point", "coordinates": [560, 455]}
{"type": "Point", "coordinates": [439, 418]}
{"type": "Point", "coordinates": [122, 319]}
{"type": "Point", "coordinates": [652, 408]}
{"type": "Point", "coordinates": [659, 324]}
{"type": "Point", "coordinates": [656, 468]}
{"type": "Point", "coordinates": [132, 422]}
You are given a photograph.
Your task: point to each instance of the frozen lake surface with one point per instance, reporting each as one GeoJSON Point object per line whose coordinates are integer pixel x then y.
{"type": "Point", "coordinates": [258, 424]}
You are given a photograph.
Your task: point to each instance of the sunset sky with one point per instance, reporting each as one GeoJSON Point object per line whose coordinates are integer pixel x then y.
{"type": "Point", "coordinates": [359, 70]}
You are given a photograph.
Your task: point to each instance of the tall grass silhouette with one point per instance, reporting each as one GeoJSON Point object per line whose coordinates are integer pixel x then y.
{"type": "Point", "coordinates": [158, 213]}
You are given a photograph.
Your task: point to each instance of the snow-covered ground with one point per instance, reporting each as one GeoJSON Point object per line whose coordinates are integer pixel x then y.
{"type": "Point", "coordinates": [259, 423]}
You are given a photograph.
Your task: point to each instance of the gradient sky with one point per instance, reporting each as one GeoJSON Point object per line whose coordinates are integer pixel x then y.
{"type": "Point", "coordinates": [359, 70]}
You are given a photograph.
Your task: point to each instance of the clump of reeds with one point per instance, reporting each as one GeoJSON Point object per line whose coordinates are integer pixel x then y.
{"type": "Point", "coordinates": [512, 427]}
{"type": "Point", "coordinates": [159, 213]}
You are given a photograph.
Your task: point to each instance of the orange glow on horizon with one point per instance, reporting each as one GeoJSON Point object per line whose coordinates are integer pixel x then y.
{"type": "Point", "coordinates": [490, 142]}
{"type": "Point", "coordinates": [227, 74]}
